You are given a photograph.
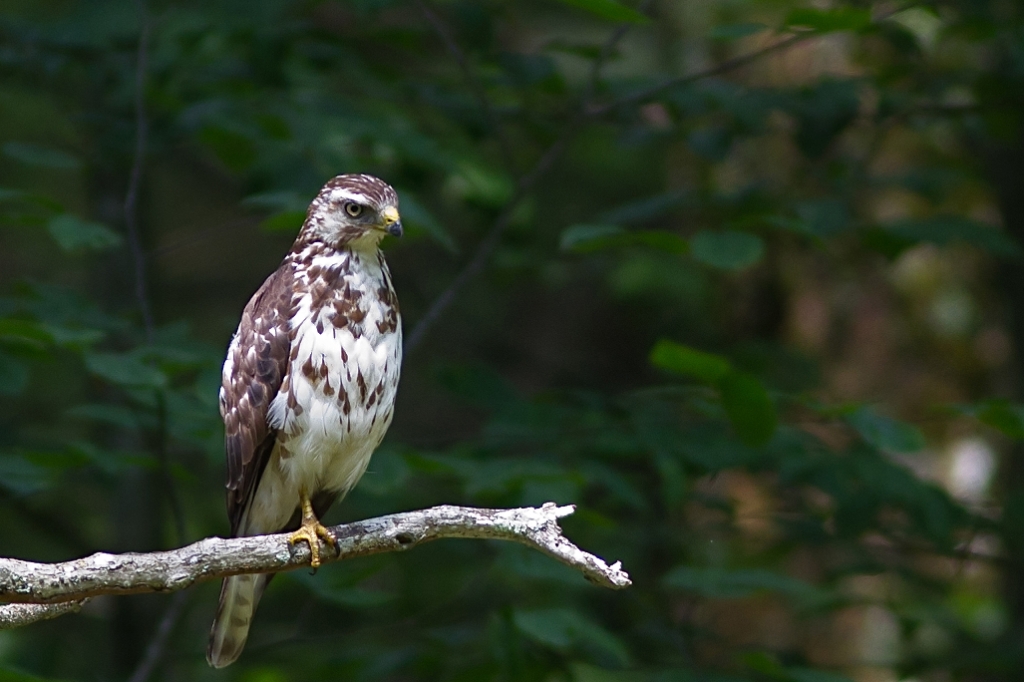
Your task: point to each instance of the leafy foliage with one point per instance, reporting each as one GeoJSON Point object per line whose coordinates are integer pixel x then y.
{"type": "Point", "coordinates": [740, 315]}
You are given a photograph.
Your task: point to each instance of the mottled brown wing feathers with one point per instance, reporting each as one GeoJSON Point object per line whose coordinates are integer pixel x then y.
{"type": "Point", "coordinates": [258, 360]}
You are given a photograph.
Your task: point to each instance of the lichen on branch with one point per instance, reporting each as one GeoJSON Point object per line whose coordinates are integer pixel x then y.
{"type": "Point", "coordinates": [55, 589]}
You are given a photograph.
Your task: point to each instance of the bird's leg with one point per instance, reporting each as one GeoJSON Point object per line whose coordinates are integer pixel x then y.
{"type": "Point", "coordinates": [312, 531]}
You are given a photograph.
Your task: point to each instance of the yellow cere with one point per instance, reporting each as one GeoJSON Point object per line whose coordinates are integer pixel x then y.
{"type": "Point", "coordinates": [390, 215]}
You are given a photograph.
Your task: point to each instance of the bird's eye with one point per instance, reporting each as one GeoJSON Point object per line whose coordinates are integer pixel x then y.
{"type": "Point", "coordinates": [353, 209]}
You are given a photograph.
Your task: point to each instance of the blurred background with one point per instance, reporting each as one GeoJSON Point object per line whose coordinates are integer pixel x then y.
{"type": "Point", "coordinates": [741, 279]}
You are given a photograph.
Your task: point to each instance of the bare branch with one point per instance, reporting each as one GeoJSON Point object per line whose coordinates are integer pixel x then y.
{"type": "Point", "coordinates": [168, 571]}
{"type": "Point", "coordinates": [18, 615]}
{"type": "Point", "coordinates": [728, 65]}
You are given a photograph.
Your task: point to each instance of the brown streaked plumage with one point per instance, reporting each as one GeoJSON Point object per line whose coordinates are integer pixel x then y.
{"type": "Point", "coordinates": [300, 419]}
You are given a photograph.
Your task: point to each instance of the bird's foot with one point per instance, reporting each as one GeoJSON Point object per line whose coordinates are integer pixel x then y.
{"type": "Point", "coordinates": [312, 531]}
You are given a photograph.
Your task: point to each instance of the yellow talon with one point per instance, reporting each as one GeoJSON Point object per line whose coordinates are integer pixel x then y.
{"type": "Point", "coordinates": [312, 531]}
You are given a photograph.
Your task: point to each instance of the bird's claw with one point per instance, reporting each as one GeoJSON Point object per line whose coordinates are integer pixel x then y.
{"type": "Point", "coordinates": [312, 531]}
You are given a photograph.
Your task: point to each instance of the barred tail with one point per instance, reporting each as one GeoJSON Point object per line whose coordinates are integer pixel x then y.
{"type": "Point", "coordinates": [239, 596]}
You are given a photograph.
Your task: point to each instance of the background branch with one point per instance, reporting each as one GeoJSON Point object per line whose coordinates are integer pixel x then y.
{"type": "Point", "coordinates": [587, 110]}
{"type": "Point", "coordinates": [644, 94]}
{"type": "Point", "coordinates": [158, 644]}
{"type": "Point", "coordinates": [524, 184]}
{"type": "Point", "coordinates": [168, 571]}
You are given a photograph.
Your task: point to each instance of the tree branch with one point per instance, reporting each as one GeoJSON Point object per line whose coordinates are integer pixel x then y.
{"type": "Point", "coordinates": [17, 615]}
{"type": "Point", "coordinates": [58, 584]}
{"type": "Point", "coordinates": [736, 62]}
{"type": "Point", "coordinates": [524, 185]}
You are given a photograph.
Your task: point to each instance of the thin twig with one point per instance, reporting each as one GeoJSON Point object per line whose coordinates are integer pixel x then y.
{"type": "Point", "coordinates": [201, 236]}
{"type": "Point", "coordinates": [475, 86]}
{"type": "Point", "coordinates": [158, 644]}
{"type": "Point", "coordinates": [155, 649]}
{"type": "Point", "coordinates": [642, 94]}
{"type": "Point", "coordinates": [490, 241]}
{"type": "Point", "coordinates": [131, 199]}
{"type": "Point", "coordinates": [728, 65]}
{"type": "Point", "coordinates": [169, 571]}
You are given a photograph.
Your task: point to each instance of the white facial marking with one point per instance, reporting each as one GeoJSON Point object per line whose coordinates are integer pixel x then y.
{"type": "Point", "coordinates": [340, 194]}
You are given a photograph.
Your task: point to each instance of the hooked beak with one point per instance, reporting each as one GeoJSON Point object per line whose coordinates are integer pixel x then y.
{"type": "Point", "coordinates": [392, 222]}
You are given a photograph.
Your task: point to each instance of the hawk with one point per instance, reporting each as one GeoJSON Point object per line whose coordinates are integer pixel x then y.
{"type": "Point", "coordinates": [309, 382]}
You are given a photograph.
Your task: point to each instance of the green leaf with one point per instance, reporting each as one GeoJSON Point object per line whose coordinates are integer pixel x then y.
{"type": "Point", "coordinates": [720, 583]}
{"type": "Point", "coordinates": [522, 564]}
{"type": "Point", "coordinates": [123, 369]}
{"type": "Point", "coordinates": [610, 9]}
{"type": "Point", "coordinates": [829, 20]}
{"type": "Point", "coordinates": [564, 629]}
{"type": "Point", "coordinates": [416, 216]}
{"type": "Point", "coordinates": [798, 674]}
{"type": "Point", "coordinates": [1001, 415]}
{"type": "Point", "coordinates": [947, 229]}
{"type": "Point", "coordinates": [823, 111]}
{"type": "Point", "coordinates": [282, 200]}
{"type": "Point", "coordinates": [823, 218]}
{"type": "Point", "coordinates": [8, 674]}
{"type": "Point", "coordinates": [765, 663]}
{"type": "Point", "coordinates": [22, 477]}
{"type": "Point", "coordinates": [749, 408]}
{"type": "Point", "coordinates": [343, 593]}
{"type": "Point", "coordinates": [35, 155]}
{"type": "Point", "coordinates": [681, 359]}
{"type": "Point", "coordinates": [583, 238]}
{"type": "Point", "coordinates": [286, 221]}
{"type": "Point", "coordinates": [71, 336]}
{"type": "Point", "coordinates": [885, 433]}
{"type": "Point", "coordinates": [288, 210]}
{"type": "Point", "coordinates": [74, 234]}
{"type": "Point", "coordinates": [24, 333]}
{"type": "Point", "coordinates": [642, 210]}
{"type": "Point", "coordinates": [587, 238]}
{"type": "Point", "coordinates": [1006, 418]}
{"type": "Point", "coordinates": [661, 240]}
{"type": "Point", "coordinates": [727, 249]}
{"type": "Point", "coordinates": [479, 184]}
{"type": "Point", "coordinates": [582, 50]}
{"type": "Point", "coordinates": [235, 149]}
{"type": "Point", "coordinates": [115, 415]}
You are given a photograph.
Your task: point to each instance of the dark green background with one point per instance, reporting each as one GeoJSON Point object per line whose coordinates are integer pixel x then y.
{"type": "Point", "coordinates": [742, 280]}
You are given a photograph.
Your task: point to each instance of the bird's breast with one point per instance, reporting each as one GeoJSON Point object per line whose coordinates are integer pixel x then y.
{"type": "Point", "coordinates": [337, 400]}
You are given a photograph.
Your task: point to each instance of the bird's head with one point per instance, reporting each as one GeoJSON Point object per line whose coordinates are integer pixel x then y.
{"type": "Point", "coordinates": [353, 211]}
